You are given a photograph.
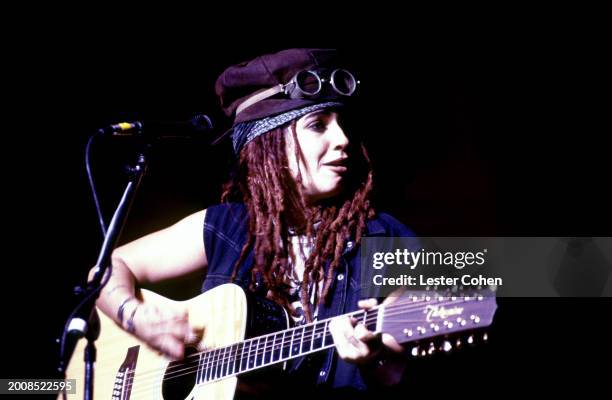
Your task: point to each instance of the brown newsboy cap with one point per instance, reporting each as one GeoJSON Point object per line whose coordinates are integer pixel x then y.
{"type": "Point", "coordinates": [239, 82]}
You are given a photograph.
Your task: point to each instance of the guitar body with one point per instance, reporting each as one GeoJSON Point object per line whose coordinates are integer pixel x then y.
{"type": "Point", "coordinates": [126, 368]}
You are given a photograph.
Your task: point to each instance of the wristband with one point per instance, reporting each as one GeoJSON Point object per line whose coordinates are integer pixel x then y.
{"type": "Point", "coordinates": [122, 308]}
{"type": "Point", "coordinates": [130, 327]}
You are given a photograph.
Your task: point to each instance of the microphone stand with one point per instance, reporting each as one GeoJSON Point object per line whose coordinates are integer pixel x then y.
{"type": "Point", "coordinates": [84, 321]}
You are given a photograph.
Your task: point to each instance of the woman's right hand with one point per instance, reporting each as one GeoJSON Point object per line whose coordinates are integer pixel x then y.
{"type": "Point", "coordinates": [165, 329]}
{"type": "Point", "coordinates": [173, 252]}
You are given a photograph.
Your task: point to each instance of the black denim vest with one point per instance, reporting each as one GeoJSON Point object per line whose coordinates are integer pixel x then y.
{"type": "Point", "coordinates": [225, 230]}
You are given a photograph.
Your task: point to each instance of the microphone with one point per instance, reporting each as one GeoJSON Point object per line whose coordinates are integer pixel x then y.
{"type": "Point", "coordinates": [193, 128]}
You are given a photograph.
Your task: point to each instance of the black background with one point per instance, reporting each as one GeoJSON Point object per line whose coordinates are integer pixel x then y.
{"type": "Point", "coordinates": [495, 129]}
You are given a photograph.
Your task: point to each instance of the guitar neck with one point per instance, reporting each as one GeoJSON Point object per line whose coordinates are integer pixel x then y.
{"type": "Point", "coordinates": [410, 319]}
{"type": "Point", "coordinates": [263, 351]}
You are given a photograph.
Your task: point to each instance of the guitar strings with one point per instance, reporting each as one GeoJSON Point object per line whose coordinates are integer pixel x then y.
{"type": "Point", "coordinates": [173, 371]}
{"type": "Point", "coordinates": [225, 361]}
{"type": "Point", "coordinates": [308, 336]}
{"type": "Point", "coordinates": [321, 324]}
{"type": "Point", "coordinates": [395, 305]}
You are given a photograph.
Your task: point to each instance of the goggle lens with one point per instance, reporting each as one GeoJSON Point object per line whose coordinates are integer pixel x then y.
{"type": "Point", "coordinates": [343, 81]}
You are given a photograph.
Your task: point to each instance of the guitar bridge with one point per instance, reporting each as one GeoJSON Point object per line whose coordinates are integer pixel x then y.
{"type": "Point", "coordinates": [123, 380]}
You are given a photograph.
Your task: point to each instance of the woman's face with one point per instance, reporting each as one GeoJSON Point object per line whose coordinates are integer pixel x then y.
{"type": "Point", "coordinates": [323, 160]}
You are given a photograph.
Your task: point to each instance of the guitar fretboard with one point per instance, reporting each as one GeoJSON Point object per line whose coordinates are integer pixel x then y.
{"type": "Point", "coordinates": [262, 351]}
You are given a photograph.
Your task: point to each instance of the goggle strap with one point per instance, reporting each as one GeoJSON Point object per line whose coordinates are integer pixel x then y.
{"type": "Point", "coordinates": [259, 97]}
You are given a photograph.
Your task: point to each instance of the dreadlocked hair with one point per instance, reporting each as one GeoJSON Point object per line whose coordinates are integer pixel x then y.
{"type": "Point", "coordinates": [275, 202]}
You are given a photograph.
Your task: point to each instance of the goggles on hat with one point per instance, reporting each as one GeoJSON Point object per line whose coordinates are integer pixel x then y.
{"type": "Point", "coordinates": [308, 84]}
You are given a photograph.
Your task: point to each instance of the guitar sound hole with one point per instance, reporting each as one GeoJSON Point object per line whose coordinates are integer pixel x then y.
{"type": "Point", "coordinates": [180, 377]}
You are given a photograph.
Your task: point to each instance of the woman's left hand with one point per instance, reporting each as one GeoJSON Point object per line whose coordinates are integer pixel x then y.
{"type": "Point", "coordinates": [379, 354]}
{"type": "Point", "coordinates": [355, 343]}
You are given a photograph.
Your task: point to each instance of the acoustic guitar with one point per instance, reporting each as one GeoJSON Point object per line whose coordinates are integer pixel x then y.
{"type": "Point", "coordinates": [243, 333]}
